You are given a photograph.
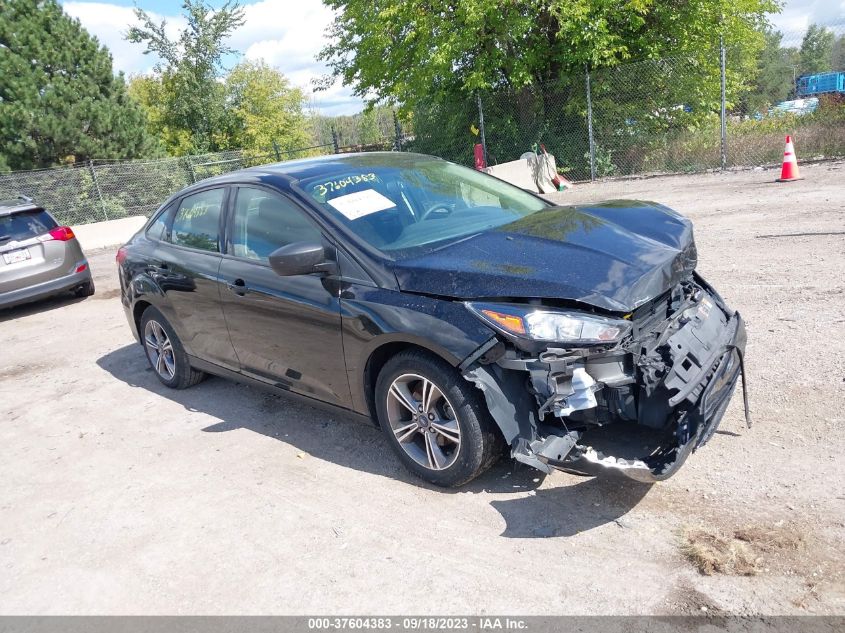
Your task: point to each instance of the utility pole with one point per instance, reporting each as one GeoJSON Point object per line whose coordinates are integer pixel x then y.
{"type": "Point", "coordinates": [334, 141]}
{"type": "Point", "coordinates": [590, 124]}
{"type": "Point", "coordinates": [397, 129]}
{"type": "Point", "coordinates": [723, 110]}
{"type": "Point", "coordinates": [97, 185]}
{"type": "Point", "coordinates": [481, 127]}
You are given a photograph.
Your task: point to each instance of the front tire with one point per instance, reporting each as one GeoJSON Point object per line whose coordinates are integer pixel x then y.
{"type": "Point", "coordinates": [165, 353]}
{"type": "Point", "coordinates": [435, 421]}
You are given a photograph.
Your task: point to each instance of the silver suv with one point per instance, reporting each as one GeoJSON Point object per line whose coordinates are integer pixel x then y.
{"type": "Point", "coordinates": [38, 257]}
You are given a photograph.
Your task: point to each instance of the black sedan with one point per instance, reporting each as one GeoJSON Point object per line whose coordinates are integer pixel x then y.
{"type": "Point", "coordinates": [462, 314]}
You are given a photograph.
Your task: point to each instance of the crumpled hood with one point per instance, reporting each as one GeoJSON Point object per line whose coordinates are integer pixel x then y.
{"type": "Point", "coordinates": [614, 255]}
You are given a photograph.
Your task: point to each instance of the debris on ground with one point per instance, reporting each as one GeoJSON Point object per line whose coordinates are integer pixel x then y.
{"type": "Point", "coordinates": [744, 551]}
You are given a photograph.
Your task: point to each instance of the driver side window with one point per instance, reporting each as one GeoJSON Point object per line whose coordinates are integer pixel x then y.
{"type": "Point", "coordinates": [265, 221]}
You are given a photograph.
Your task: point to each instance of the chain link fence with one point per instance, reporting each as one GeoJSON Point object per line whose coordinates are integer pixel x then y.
{"type": "Point", "coordinates": [657, 116]}
{"type": "Point", "coordinates": [109, 190]}
{"type": "Point", "coordinates": [671, 115]}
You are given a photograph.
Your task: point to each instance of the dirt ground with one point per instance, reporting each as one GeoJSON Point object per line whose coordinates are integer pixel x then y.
{"type": "Point", "coordinates": [120, 496]}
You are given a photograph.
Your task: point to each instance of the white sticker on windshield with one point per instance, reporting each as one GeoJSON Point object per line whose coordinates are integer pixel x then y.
{"type": "Point", "coordinates": [357, 205]}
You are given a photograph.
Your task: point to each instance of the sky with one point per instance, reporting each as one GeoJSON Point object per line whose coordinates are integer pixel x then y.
{"type": "Point", "coordinates": [288, 34]}
{"type": "Point", "coordinates": [797, 15]}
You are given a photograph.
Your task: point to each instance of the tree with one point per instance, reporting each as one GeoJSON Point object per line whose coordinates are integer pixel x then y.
{"type": "Point", "coordinates": [837, 57]}
{"type": "Point", "coordinates": [59, 98]}
{"type": "Point", "coordinates": [409, 49]}
{"type": "Point", "coordinates": [775, 73]}
{"type": "Point", "coordinates": [149, 91]}
{"type": "Point", "coordinates": [816, 50]}
{"type": "Point", "coordinates": [192, 100]}
{"type": "Point", "coordinates": [262, 109]}
{"type": "Point", "coordinates": [368, 127]}
{"type": "Point", "coordinates": [373, 125]}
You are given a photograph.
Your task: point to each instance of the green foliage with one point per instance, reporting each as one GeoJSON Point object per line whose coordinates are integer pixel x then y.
{"type": "Point", "coordinates": [778, 67]}
{"type": "Point", "coordinates": [443, 124]}
{"type": "Point", "coordinates": [776, 71]}
{"type": "Point", "coordinates": [150, 92]}
{"type": "Point", "coordinates": [837, 57]}
{"type": "Point", "coordinates": [187, 103]}
{"type": "Point", "coordinates": [817, 135]}
{"type": "Point", "coordinates": [604, 162]}
{"type": "Point", "coordinates": [192, 111]}
{"type": "Point", "coordinates": [409, 49]}
{"type": "Point", "coordinates": [530, 56]}
{"type": "Point", "coordinates": [816, 51]}
{"type": "Point", "coordinates": [262, 108]}
{"type": "Point", "coordinates": [371, 126]}
{"type": "Point", "coordinates": [59, 98]}
{"type": "Point", "coordinates": [368, 128]}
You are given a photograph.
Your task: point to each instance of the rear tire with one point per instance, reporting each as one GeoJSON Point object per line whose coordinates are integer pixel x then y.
{"type": "Point", "coordinates": [435, 421]}
{"type": "Point", "coordinates": [85, 290]}
{"type": "Point", "coordinates": [165, 353]}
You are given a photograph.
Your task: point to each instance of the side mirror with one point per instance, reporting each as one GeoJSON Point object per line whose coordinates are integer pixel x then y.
{"type": "Point", "coordinates": [300, 258]}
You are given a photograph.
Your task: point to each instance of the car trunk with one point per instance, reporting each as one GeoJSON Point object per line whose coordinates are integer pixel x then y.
{"type": "Point", "coordinates": [28, 253]}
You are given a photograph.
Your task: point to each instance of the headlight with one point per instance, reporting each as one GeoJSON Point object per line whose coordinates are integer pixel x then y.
{"type": "Point", "coordinates": [540, 324]}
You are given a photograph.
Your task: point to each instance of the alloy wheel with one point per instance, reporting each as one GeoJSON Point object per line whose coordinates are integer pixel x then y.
{"type": "Point", "coordinates": [423, 421]}
{"type": "Point", "coordinates": [160, 350]}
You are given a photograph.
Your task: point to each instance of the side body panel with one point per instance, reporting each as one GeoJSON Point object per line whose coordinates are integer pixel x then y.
{"type": "Point", "coordinates": [286, 330]}
{"type": "Point", "coordinates": [373, 317]}
{"type": "Point", "coordinates": [190, 283]}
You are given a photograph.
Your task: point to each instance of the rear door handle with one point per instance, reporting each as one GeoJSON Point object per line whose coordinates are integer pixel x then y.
{"type": "Point", "coordinates": [238, 286]}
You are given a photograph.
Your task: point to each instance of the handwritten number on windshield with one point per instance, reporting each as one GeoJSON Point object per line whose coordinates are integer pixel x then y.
{"type": "Point", "coordinates": [332, 186]}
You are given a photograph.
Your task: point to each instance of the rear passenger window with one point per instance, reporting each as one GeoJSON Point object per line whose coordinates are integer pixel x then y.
{"type": "Point", "coordinates": [197, 221]}
{"type": "Point", "coordinates": [158, 228]}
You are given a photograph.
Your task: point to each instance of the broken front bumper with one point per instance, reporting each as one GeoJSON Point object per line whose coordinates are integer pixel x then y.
{"type": "Point", "coordinates": [637, 410]}
{"type": "Point", "coordinates": [697, 424]}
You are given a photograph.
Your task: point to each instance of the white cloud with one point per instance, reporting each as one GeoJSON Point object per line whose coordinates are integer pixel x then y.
{"type": "Point", "coordinates": [109, 22]}
{"type": "Point", "coordinates": [301, 24]}
{"type": "Point", "coordinates": [797, 15]}
{"type": "Point", "coordinates": [287, 34]}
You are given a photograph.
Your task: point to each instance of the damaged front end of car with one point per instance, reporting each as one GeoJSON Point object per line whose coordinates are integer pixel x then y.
{"type": "Point", "coordinates": [593, 393]}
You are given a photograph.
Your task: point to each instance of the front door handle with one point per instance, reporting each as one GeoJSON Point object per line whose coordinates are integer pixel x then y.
{"type": "Point", "coordinates": [238, 286]}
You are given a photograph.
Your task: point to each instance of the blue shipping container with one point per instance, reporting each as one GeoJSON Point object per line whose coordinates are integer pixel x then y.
{"type": "Point", "coordinates": [822, 83]}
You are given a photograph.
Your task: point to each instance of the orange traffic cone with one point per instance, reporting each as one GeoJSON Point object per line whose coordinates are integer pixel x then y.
{"type": "Point", "coordinates": [789, 171]}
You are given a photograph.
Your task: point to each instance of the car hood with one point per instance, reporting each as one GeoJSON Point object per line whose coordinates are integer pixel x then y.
{"type": "Point", "coordinates": [615, 256]}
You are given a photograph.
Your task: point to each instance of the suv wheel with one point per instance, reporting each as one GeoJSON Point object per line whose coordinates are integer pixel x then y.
{"type": "Point", "coordinates": [85, 290]}
{"type": "Point", "coordinates": [435, 421]}
{"type": "Point", "coordinates": [165, 353]}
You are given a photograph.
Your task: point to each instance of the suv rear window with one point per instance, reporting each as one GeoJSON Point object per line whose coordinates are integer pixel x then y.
{"type": "Point", "coordinates": [23, 225]}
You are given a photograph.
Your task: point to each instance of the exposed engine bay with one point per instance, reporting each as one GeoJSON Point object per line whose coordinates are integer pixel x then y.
{"type": "Point", "coordinates": [638, 406]}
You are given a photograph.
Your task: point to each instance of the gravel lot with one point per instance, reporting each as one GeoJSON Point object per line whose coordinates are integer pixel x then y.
{"type": "Point", "coordinates": [120, 496]}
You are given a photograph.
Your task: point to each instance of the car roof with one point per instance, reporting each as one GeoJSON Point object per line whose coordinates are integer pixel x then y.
{"type": "Point", "coordinates": [300, 169]}
{"type": "Point", "coordinates": [16, 205]}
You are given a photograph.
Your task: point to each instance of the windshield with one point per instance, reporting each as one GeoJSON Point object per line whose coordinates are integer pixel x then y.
{"type": "Point", "coordinates": [420, 205]}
